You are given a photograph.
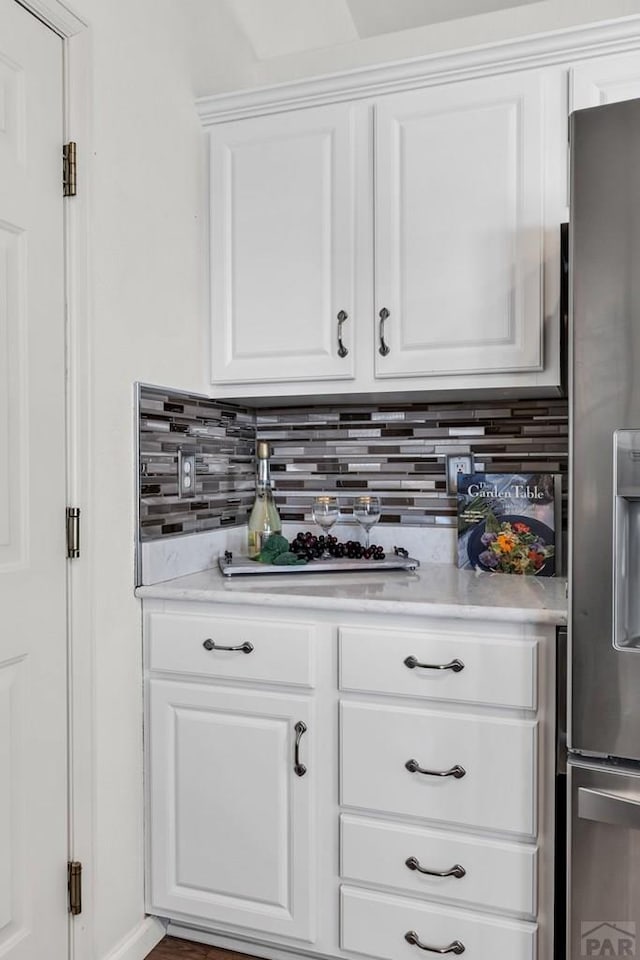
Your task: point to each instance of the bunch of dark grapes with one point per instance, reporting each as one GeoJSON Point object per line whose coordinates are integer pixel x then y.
{"type": "Point", "coordinates": [307, 545]}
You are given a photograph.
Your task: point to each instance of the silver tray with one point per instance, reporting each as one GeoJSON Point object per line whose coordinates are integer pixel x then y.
{"type": "Point", "coordinates": [240, 566]}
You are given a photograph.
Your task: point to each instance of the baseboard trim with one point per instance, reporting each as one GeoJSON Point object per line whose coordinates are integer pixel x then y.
{"type": "Point", "coordinates": [140, 942]}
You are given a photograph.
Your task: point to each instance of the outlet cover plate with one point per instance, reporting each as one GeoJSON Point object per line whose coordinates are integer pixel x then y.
{"type": "Point", "coordinates": [457, 463]}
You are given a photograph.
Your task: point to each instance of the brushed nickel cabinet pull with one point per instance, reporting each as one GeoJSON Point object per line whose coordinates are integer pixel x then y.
{"type": "Point", "coordinates": [455, 665]}
{"type": "Point", "coordinates": [414, 767]}
{"type": "Point", "coordinates": [456, 871]}
{"type": "Point", "coordinates": [245, 647]}
{"type": "Point", "coordinates": [455, 947]}
{"type": "Point", "coordinates": [342, 350]}
{"type": "Point", "coordinates": [384, 348]}
{"type": "Point", "coordinates": [299, 768]}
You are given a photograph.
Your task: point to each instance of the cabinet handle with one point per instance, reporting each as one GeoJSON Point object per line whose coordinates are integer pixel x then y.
{"type": "Point", "coordinates": [342, 350]}
{"type": "Point", "coordinates": [299, 768]}
{"type": "Point", "coordinates": [245, 647]}
{"type": "Point", "coordinates": [455, 665]}
{"type": "Point", "coordinates": [456, 871]}
{"type": "Point", "coordinates": [414, 767]}
{"type": "Point", "coordinates": [384, 348]}
{"type": "Point", "coordinates": [412, 937]}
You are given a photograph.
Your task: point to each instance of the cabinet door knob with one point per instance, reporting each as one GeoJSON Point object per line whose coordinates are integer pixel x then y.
{"type": "Point", "coordinates": [384, 348]}
{"type": "Point", "coordinates": [455, 665]}
{"type": "Point", "coordinates": [342, 350]}
{"type": "Point", "coordinates": [245, 647]}
{"type": "Point", "coordinates": [299, 768]}
{"type": "Point", "coordinates": [455, 947]}
{"type": "Point", "coordinates": [456, 871]}
{"type": "Point", "coordinates": [414, 767]}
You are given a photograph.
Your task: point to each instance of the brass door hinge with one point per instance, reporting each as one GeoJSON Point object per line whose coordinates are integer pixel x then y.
{"type": "Point", "coordinates": [73, 532]}
{"type": "Point", "coordinates": [74, 873]}
{"type": "Point", "coordinates": [69, 184]}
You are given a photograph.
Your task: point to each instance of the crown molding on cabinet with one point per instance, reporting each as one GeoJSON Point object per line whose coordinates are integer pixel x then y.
{"type": "Point", "coordinates": [593, 40]}
{"type": "Point", "coordinates": [56, 15]}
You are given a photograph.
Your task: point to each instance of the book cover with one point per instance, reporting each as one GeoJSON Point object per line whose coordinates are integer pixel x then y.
{"type": "Point", "coordinates": [509, 523]}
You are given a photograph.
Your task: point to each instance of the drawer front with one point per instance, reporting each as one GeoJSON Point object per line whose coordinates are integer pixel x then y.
{"type": "Point", "coordinates": [498, 756]}
{"type": "Point", "coordinates": [375, 925]}
{"type": "Point", "coordinates": [491, 874]}
{"type": "Point", "coordinates": [277, 652]}
{"type": "Point", "coordinates": [499, 672]}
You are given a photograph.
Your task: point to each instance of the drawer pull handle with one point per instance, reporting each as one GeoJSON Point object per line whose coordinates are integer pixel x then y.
{"type": "Point", "coordinates": [414, 767]}
{"type": "Point", "coordinates": [412, 937]}
{"type": "Point", "coordinates": [456, 871]}
{"type": "Point", "coordinates": [455, 665]}
{"type": "Point", "coordinates": [245, 647]}
{"type": "Point", "coordinates": [299, 768]}
{"type": "Point", "coordinates": [342, 350]}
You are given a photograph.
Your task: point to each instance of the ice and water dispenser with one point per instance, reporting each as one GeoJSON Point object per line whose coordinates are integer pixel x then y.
{"type": "Point", "coordinates": [626, 539]}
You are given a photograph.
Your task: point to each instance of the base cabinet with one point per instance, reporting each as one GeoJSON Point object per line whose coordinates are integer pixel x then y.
{"type": "Point", "coordinates": [231, 820]}
{"type": "Point", "coordinates": [283, 816]}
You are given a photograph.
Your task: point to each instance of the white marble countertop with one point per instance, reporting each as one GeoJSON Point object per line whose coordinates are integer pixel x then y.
{"type": "Point", "coordinates": [435, 590]}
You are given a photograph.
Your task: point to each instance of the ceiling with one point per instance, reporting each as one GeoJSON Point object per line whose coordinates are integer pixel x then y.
{"type": "Point", "coordinates": [279, 27]}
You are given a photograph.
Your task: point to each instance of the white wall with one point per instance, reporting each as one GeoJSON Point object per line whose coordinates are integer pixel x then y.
{"type": "Point", "coordinates": [532, 18]}
{"type": "Point", "coordinates": [145, 181]}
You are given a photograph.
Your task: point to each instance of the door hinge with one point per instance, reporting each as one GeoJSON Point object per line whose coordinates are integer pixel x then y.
{"type": "Point", "coordinates": [74, 873]}
{"type": "Point", "coordinates": [73, 532]}
{"type": "Point", "coordinates": [69, 169]}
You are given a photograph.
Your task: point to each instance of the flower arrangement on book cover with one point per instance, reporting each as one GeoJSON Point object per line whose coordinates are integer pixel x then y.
{"type": "Point", "coordinates": [507, 522]}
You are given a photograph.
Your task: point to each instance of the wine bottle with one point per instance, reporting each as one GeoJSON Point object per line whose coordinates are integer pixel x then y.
{"type": "Point", "coordinates": [264, 519]}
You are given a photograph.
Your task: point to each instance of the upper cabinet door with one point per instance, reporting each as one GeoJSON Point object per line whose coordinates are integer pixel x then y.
{"type": "Point", "coordinates": [283, 246]}
{"type": "Point", "coordinates": [459, 228]}
{"type": "Point", "coordinates": [604, 80]}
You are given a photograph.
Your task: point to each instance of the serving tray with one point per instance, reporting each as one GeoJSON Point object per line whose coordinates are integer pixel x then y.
{"type": "Point", "coordinates": [231, 566]}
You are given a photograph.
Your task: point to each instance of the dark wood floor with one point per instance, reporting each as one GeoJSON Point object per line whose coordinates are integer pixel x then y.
{"type": "Point", "coordinates": [172, 949]}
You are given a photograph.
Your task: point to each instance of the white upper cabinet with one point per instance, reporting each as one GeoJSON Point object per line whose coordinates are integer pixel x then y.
{"type": "Point", "coordinates": [605, 80]}
{"type": "Point", "coordinates": [459, 228]}
{"type": "Point", "coordinates": [427, 217]}
{"type": "Point", "coordinates": [283, 246]}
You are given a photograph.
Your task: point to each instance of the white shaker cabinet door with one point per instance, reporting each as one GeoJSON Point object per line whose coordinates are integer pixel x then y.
{"type": "Point", "coordinates": [604, 80]}
{"type": "Point", "coordinates": [460, 228]}
{"type": "Point", "coordinates": [230, 829]}
{"type": "Point", "coordinates": [283, 246]}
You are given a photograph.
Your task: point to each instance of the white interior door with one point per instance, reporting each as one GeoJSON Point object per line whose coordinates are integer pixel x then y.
{"type": "Point", "coordinates": [33, 682]}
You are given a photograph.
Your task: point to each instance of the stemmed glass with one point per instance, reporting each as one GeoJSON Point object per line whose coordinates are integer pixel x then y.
{"type": "Point", "coordinates": [366, 511]}
{"type": "Point", "coordinates": [325, 511]}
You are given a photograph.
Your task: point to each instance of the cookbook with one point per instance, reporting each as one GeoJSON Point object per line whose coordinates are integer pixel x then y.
{"type": "Point", "coordinates": [509, 523]}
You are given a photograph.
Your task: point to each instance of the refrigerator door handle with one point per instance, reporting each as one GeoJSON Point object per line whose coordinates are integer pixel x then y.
{"type": "Point", "coordinates": [608, 808]}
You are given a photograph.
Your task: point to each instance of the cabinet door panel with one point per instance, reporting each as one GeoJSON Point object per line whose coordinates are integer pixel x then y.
{"type": "Point", "coordinates": [604, 80]}
{"type": "Point", "coordinates": [230, 821]}
{"type": "Point", "coordinates": [459, 227]}
{"type": "Point", "coordinates": [497, 791]}
{"type": "Point", "coordinates": [282, 246]}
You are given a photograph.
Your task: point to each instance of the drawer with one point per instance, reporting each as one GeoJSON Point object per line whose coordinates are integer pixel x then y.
{"type": "Point", "coordinates": [495, 874]}
{"type": "Point", "coordinates": [375, 925]}
{"type": "Point", "coordinates": [498, 672]}
{"type": "Point", "coordinates": [279, 652]}
{"type": "Point", "coordinates": [498, 756]}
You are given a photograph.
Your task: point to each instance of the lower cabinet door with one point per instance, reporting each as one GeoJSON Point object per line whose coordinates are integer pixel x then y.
{"type": "Point", "coordinates": [395, 928]}
{"type": "Point", "coordinates": [230, 816]}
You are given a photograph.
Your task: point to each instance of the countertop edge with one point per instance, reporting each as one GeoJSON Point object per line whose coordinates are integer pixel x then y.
{"type": "Point", "coordinates": [167, 591]}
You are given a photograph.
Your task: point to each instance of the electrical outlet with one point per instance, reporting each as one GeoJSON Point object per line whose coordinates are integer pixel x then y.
{"type": "Point", "coordinates": [457, 463]}
{"type": "Point", "coordinates": [186, 473]}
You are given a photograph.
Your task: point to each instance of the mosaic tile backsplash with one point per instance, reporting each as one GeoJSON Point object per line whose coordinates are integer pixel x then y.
{"type": "Point", "coordinates": [223, 438]}
{"type": "Point", "coordinates": [396, 451]}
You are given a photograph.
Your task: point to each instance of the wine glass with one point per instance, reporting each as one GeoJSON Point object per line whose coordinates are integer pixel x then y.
{"type": "Point", "coordinates": [325, 511]}
{"type": "Point", "coordinates": [366, 511]}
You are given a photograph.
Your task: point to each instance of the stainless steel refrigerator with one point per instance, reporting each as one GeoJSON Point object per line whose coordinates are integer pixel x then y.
{"type": "Point", "coordinates": [604, 566]}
